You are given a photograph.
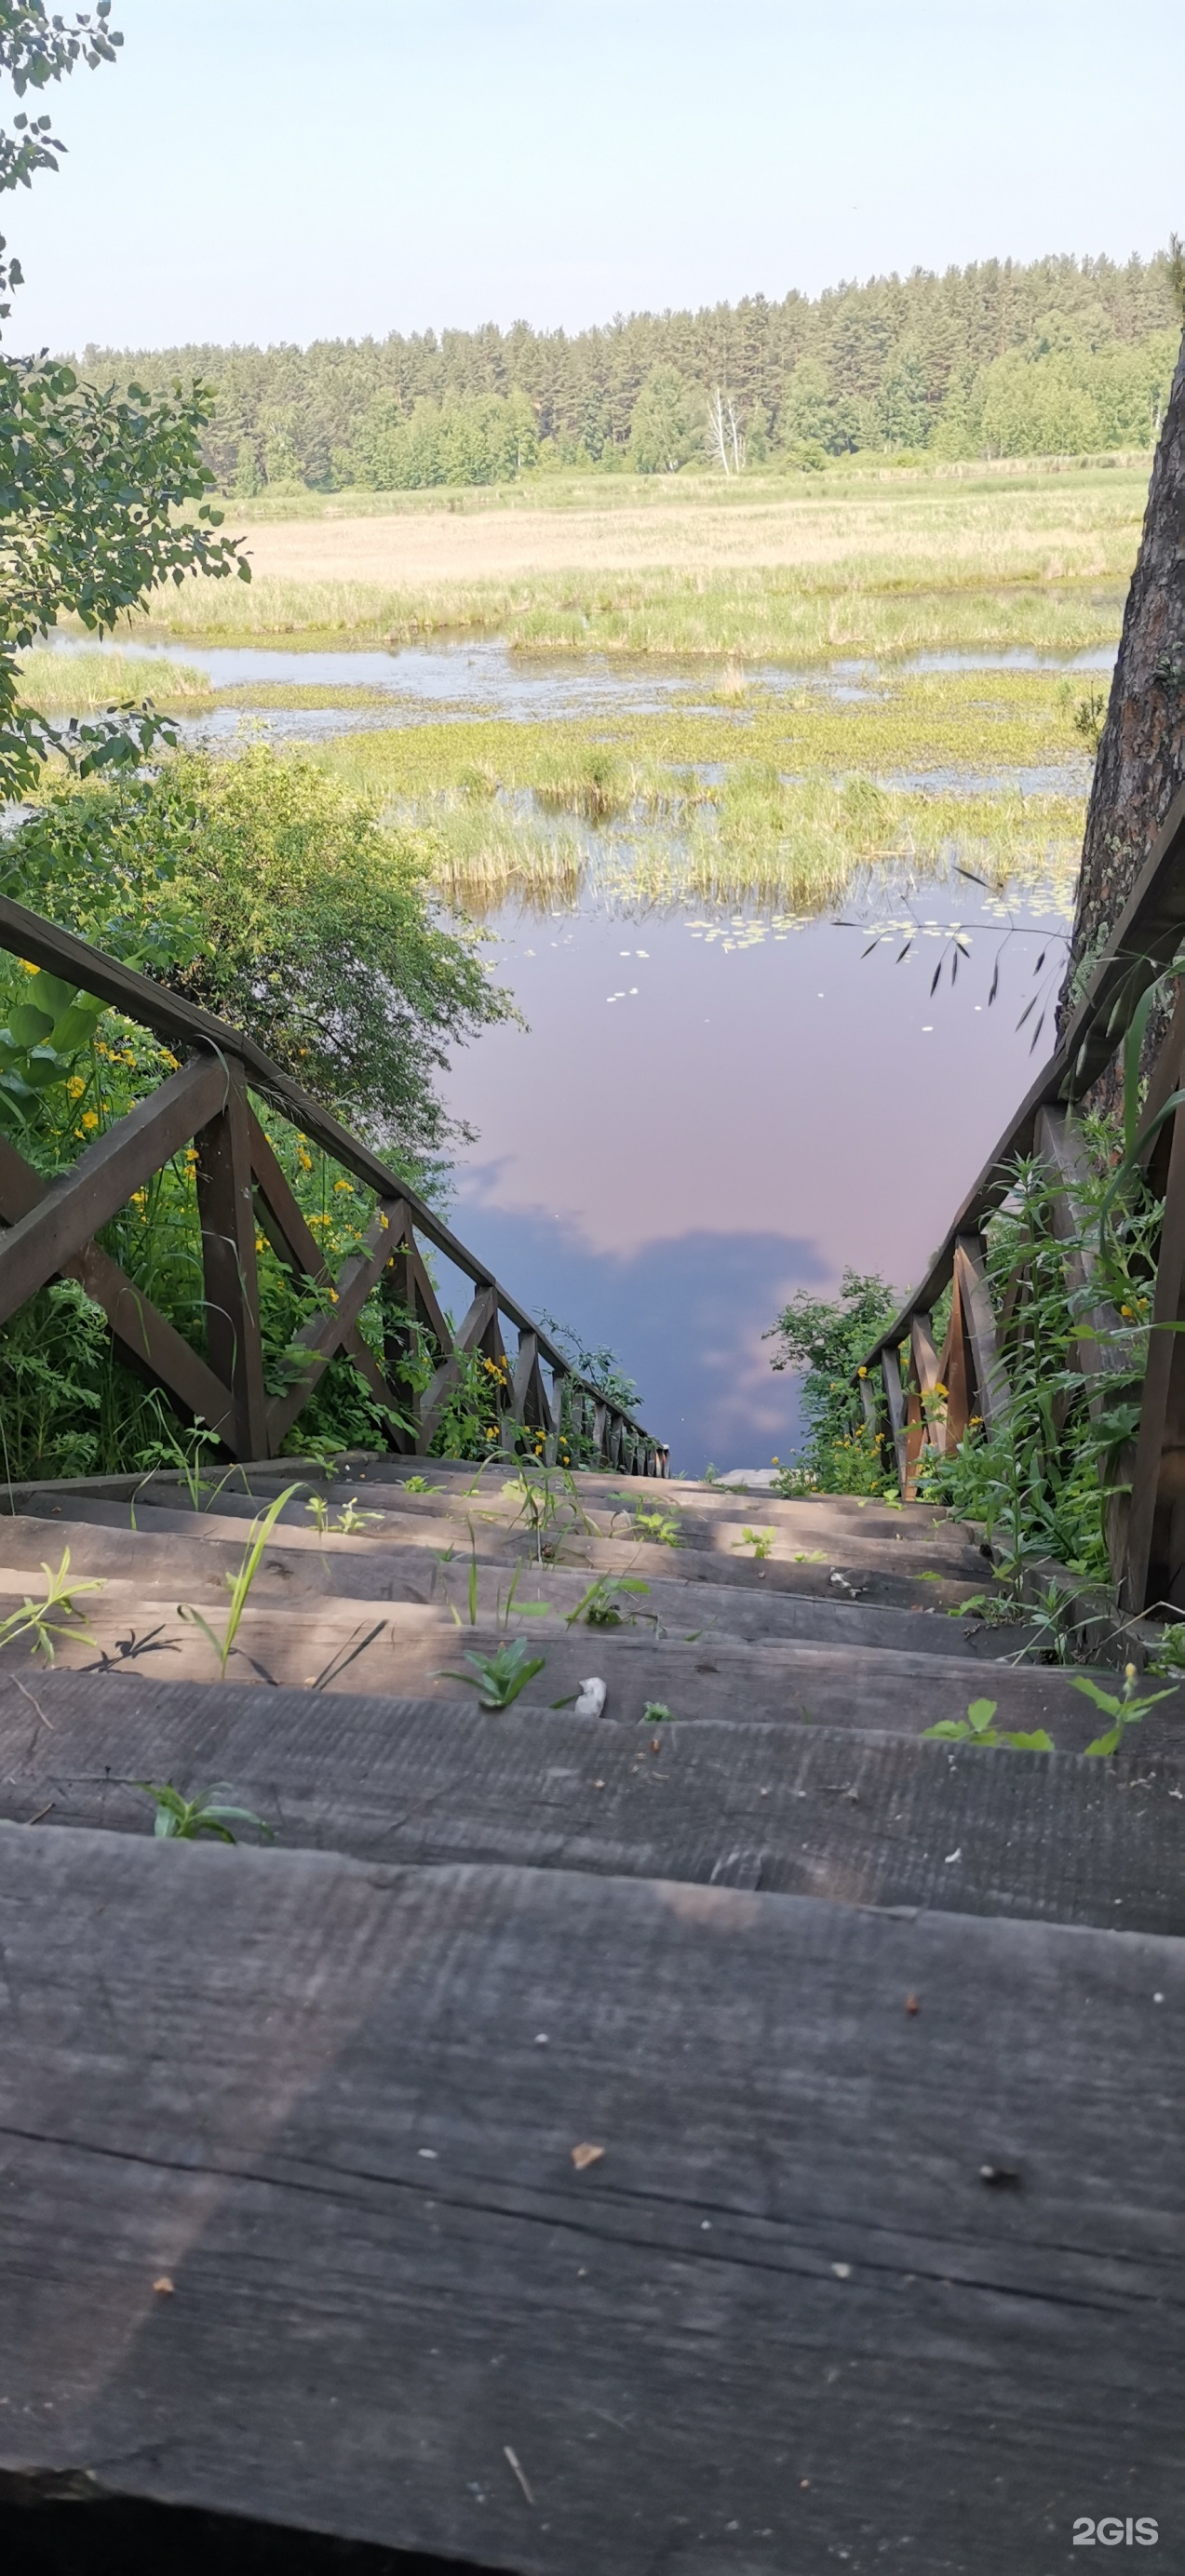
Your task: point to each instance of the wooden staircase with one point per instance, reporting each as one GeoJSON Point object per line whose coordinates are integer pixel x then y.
{"type": "Point", "coordinates": [742, 2138]}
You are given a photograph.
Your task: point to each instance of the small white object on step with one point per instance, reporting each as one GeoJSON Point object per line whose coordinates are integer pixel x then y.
{"type": "Point", "coordinates": [592, 1698]}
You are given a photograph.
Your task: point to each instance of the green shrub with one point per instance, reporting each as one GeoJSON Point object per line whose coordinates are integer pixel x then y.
{"type": "Point", "coordinates": [827, 1339]}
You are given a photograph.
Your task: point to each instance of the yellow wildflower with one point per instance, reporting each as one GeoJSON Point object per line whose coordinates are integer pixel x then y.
{"type": "Point", "coordinates": [90, 1118]}
{"type": "Point", "coordinates": [343, 1185]}
{"type": "Point", "coordinates": [30, 970]}
{"type": "Point", "coordinates": [861, 1372]}
{"type": "Point", "coordinates": [76, 1086]}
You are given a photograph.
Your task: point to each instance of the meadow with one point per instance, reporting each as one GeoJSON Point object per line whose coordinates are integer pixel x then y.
{"type": "Point", "coordinates": [794, 569]}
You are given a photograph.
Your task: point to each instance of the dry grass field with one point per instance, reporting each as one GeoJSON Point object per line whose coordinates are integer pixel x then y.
{"type": "Point", "coordinates": [801, 568]}
{"type": "Point", "coordinates": [1011, 531]}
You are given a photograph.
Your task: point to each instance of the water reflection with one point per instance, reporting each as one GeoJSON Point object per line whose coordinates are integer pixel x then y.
{"type": "Point", "coordinates": [702, 1120]}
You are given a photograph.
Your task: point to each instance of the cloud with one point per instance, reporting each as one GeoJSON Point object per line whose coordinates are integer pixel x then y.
{"type": "Point", "coordinates": [685, 1316]}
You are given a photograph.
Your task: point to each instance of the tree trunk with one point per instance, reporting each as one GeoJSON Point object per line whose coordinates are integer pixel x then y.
{"type": "Point", "coordinates": [1141, 757]}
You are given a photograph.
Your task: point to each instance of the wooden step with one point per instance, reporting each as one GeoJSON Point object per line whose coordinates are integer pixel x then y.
{"type": "Point", "coordinates": [703, 1518]}
{"type": "Point", "coordinates": [413, 1648]}
{"type": "Point", "coordinates": [293, 2223]}
{"type": "Point", "coordinates": [186, 1554]}
{"type": "Point", "coordinates": [889, 1576]}
{"type": "Point", "coordinates": [869, 1819]}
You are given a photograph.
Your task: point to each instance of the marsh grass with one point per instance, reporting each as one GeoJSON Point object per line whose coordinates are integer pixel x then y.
{"type": "Point", "coordinates": [751, 614]}
{"type": "Point", "coordinates": [595, 767]}
{"type": "Point", "coordinates": [798, 845]}
{"type": "Point", "coordinates": [78, 683]}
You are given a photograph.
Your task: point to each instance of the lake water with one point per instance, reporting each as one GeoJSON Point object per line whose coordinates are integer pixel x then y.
{"type": "Point", "coordinates": [708, 1111]}
{"type": "Point", "coordinates": [707, 1115]}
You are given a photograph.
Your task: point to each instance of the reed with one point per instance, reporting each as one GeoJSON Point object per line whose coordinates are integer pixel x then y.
{"type": "Point", "coordinates": [799, 846]}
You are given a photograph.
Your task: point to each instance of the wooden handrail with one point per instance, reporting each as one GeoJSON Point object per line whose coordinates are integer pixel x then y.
{"type": "Point", "coordinates": [49, 1230]}
{"type": "Point", "coordinates": [968, 1380]}
{"type": "Point", "coordinates": [1146, 938]}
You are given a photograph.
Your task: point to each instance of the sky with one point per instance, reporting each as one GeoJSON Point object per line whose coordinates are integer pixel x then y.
{"type": "Point", "coordinates": [265, 170]}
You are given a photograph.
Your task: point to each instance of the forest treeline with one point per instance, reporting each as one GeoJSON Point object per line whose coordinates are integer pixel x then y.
{"type": "Point", "coordinates": [1058, 356]}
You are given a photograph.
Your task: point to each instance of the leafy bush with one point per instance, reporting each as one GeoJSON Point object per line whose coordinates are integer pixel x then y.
{"type": "Point", "coordinates": [827, 1339]}
{"type": "Point", "coordinates": [269, 893]}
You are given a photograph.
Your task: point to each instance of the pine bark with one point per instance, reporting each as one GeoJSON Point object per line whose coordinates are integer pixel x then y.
{"type": "Point", "coordinates": [1141, 756]}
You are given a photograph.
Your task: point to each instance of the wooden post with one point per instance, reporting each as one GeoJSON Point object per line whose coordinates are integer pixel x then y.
{"type": "Point", "coordinates": [980, 1326]}
{"type": "Point", "coordinates": [891, 1373]}
{"type": "Point", "coordinates": [1156, 1521]}
{"type": "Point", "coordinates": [226, 1212]}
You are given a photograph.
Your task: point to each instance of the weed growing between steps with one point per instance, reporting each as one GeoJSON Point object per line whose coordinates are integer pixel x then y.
{"type": "Point", "coordinates": [186, 1820]}
{"type": "Point", "coordinates": [55, 1615]}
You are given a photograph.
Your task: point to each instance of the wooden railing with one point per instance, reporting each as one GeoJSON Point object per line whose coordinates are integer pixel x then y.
{"type": "Point", "coordinates": [903, 1372]}
{"type": "Point", "coordinates": [51, 1229]}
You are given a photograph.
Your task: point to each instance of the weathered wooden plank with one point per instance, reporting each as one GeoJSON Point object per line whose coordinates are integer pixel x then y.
{"type": "Point", "coordinates": [191, 1556]}
{"type": "Point", "coordinates": [895, 1401]}
{"type": "Point", "coordinates": [226, 1213]}
{"type": "Point", "coordinates": [979, 1324]}
{"type": "Point", "coordinates": [413, 1648]}
{"type": "Point", "coordinates": [781, 2316]}
{"type": "Point", "coordinates": [469, 1335]}
{"type": "Point", "coordinates": [144, 1338]}
{"type": "Point", "coordinates": [81, 1200]}
{"type": "Point", "coordinates": [1155, 1556]}
{"type": "Point", "coordinates": [870, 1819]}
{"type": "Point", "coordinates": [329, 1332]}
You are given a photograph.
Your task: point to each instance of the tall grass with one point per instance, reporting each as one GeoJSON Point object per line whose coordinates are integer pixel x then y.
{"type": "Point", "coordinates": [801, 845]}
{"type": "Point", "coordinates": [870, 564]}
{"type": "Point", "coordinates": [78, 683]}
{"type": "Point", "coordinates": [762, 616]}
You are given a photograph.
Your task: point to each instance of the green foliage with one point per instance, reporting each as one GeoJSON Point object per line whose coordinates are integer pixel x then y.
{"type": "Point", "coordinates": [487, 438]}
{"type": "Point", "coordinates": [598, 1607]}
{"type": "Point", "coordinates": [1038, 1482]}
{"type": "Point", "coordinates": [660, 1528]}
{"type": "Point", "coordinates": [903, 364]}
{"type": "Point", "coordinates": [664, 430]}
{"type": "Point", "coordinates": [501, 1676]}
{"type": "Point", "coordinates": [827, 1340]}
{"type": "Point", "coordinates": [761, 1542]}
{"type": "Point", "coordinates": [239, 1584]}
{"type": "Point", "coordinates": [49, 1618]}
{"type": "Point", "coordinates": [1123, 1707]}
{"type": "Point", "coordinates": [103, 493]}
{"type": "Point", "coordinates": [978, 1728]}
{"type": "Point", "coordinates": [1169, 1654]}
{"type": "Point", "coordinates": [348, 1521]}
{"type": "Point", "coordinates": [185, 1820]}
{"type": "Point", "coordinates": [271, 894]}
